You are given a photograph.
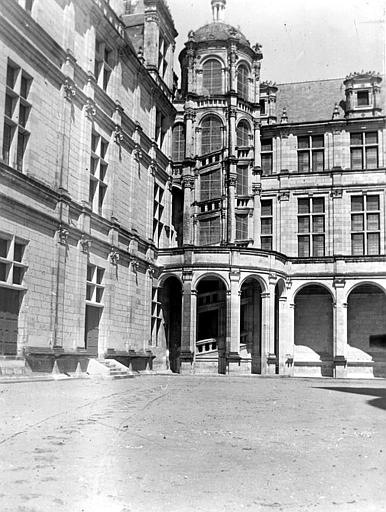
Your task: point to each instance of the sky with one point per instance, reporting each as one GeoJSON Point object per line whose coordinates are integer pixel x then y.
{"type": "Point", "coordinates": [302, 39]}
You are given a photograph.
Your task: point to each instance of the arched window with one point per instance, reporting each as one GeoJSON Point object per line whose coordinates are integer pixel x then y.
{"type": "Point", "coordinates": [242, 81]}
{"type": "Point", "coordinates": [242, 134]}
{"type": "Point", "coordinates": [211, 78]}
{"type": "Point", "coordinates": [178, 148]}
{"type": "Point", "coordinates": [211, 135]}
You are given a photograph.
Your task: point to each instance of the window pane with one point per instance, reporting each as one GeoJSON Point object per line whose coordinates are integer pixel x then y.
{"type": "Point", "coordinates": [318, 205]}
{"type": "Point", "coordinates": [241, 227]}
{"type": "Point", "coordinates": [357, 222]}
{"type": "Point", "coordinates": [266, 144]}
{"type": "Point", "coordinates": [11, 76]}
{"type": "Point", "coordinates": [318, 224]}
{"type": "Point", "coordinates": [9, 105]}
{"type": "Point", "coordinates": [266, 164]}
{"type": "Point", "coordinates": [4, 246]}
{"type": "Point", "coordinates": [373, 244]}
{"type": "Point", "coordinates": [372, 203]}
{"type": "Point", "coordinates": [357, 244]}
{"type": "Point", "coordinates": [242, 134]}
{"type": "Point", "coordinates": [318, 161]}
{"type": "Point", "coordinates": [371, 138]}
{"type": "Point", "coordinates": [355, 139]}
{"type": "Point", "coordinates": [211, 135]}
{"type": "Point", "coordinates": [266, 226]}
{"type": "Point", "coordinates": [318, 245]}
{"type": "Point", "coordinates": [303, 161]}
{"type": "Point", "coordinates": [303, 206]}
{"type": "Point", "coordinates": [7, 141]}
{"type": "Point", "coordinates": [266, 243]}
{"type": "Point", "coordinates": [371, 158]}
{"type": "Point", "coordinates": [304, 246]}
{"type": "Point", "coordinates": [363, 98]}
{"type": "Point", "coordinates": [266, 208]}
{"type": "Point", "coordinates": [318, 141]}
{"type": "Point", "coordinates": [18, 252]}
{"type": "Point", "coordinates": [303, 224]}
{"type": "Point", "coordinates": [357, 203]}
{"type": "Point", "coordinates": [242, 180]}
{"type": "Point", "coordinates": [356, 159]}
{"type": "Point", "coordinates": [211, 80]}
{"type": "Point", "coordinates": [303, 142]}
{"type": "Point", "coordinates": [178, 150]}
{"type": "Point", "coordinates": [24, 86]}
{"type": "Point", "coordinates": [373, 221]}
{"type": "Point", "coordinates": [210, 185]}
{"type": "Point", "coordinates": [242, 82]}
{"type": "Point", "coordinates": [210, 231]}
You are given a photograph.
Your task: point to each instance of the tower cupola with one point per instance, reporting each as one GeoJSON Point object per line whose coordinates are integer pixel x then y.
{"type": "Point", "coordinates": [218, 8]}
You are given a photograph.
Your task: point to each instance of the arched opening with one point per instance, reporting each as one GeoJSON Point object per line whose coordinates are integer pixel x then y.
{"type": "Point", "coordinates": [243, 134]}
{"type": "Point", "coordinates": [313, 352]}
{"type": "Point", "coordinates": [178, 214]}
{"type": "Point", "coordinates": [242, 81]}
{"type": "Point", "coordinates": [366, 326]}
{"type": "Point", "coordinates": [250, 323]}
{"type": "Point", "coordinates": [211, 134]}
{"type": "Point", "coordinates": [212, 77]}
{"type": "Point", "coordinates": [171, 300]}
{"type": "Point", "coordinates": [211, 324]}
{"type": "Point", "coordinates": [178, 147]}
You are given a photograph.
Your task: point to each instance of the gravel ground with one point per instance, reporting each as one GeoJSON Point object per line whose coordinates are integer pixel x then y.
{"type": "Point", "coordinates": [185, 444]}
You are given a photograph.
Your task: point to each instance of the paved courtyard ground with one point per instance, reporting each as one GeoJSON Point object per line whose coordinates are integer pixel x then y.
{"type": "Point", "coordinates": [185, 444]}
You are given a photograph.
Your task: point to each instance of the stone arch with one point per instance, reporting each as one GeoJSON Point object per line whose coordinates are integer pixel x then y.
{"type": "Point", "coordinates": [243, 132]}
{"type": "Point", "coordinates": [364, 283]}
{"type": "Point", "coordinates": [171, 303]}
{"type": "Point", "coordinates": [210, 275]}
{"type": "Point", "coordinates": [251, 289]}
{"type": "Point", "coordinates": [243, 73]}
{"type": "Point", "coordinates": [211, 133]}
{"type": "Point", "coordinates": [166, 276]}
{"type": "Point", "coordinates": [366, 327]}
{"type": "Point", "coordinates": [313, 330]}
{"type": "Point", "coordinates": [327, 287]}
{"type": "Point", "coordinates": [212, 75]}
{"type": "Point", "coordinates": [211, 321]}
{"type": "Point", "coordinates": [258, 278]}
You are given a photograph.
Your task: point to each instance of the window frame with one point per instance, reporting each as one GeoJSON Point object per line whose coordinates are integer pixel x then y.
{"type": "Point", "coordinates": [310, 153]}
{"type": "Point", "coordinates": [308, 234]}
{"type": "Point", "coordinates": [360, 220]}
{"type": "Point", "coordinates": [362, 149]}
{"type": "Point", "coordinates": [212, 77]}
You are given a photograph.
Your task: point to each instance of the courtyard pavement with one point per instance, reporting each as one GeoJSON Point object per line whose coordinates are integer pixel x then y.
{"type": "Point", "coordinates": [176, 443]}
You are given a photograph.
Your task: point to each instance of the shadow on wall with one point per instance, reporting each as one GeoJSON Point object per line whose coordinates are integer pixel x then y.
{"type": "Point", "coordinates": [379, 394]}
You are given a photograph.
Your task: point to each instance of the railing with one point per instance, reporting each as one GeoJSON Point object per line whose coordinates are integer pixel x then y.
{"type": "Point", "coordinates": [208, 345]}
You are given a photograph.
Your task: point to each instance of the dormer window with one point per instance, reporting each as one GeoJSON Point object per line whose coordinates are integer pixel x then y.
{"type": "Point", "coordinates": [363, 99]}
{"type": "Point", "coordinates": [262, 107]}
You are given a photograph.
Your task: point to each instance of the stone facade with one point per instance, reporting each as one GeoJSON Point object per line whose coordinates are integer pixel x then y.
{"type": "Point", "coordinates": [232, 225]}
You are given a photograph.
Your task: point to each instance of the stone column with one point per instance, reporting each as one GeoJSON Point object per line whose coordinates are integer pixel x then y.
{"type": "Point", "coordinates": [283, 336]}
{"type": "Point", "coordinates": [256, 190]}
{"type": "Point", "coordinates": [188, 185]}
{"type": "Point", "coordinates": [151, 39]}
{"type": "Point", "coordinates": [232, 57]}
{"type": "Point", "coordinates": [257, 145]}
{"type": "Point", "coordinates": [189, 143]}
{"type": "Point", "coordinates": [233, 323]}
{"type": "Point", "coordinates": [290, 343]}
{"type": "Point", "coordinates": [340, 329]}
{"type": "Point", "coordinates": [268, 358]}
{"type": "Point", "coordinates": [232, 183]}
{"type": "Point", "coordinates": [188, 323]}
{"type": "Point", "coordinates": [232, 137]}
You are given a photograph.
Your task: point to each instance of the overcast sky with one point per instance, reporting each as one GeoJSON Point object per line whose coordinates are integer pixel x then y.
{"type": "Point", "coordinates": [302, 39]}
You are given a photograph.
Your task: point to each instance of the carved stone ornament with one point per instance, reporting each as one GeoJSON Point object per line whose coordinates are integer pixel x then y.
{"type": "Point", "coordinates": [118, 135]}
{"type": "Point", "coordinates": [90, 109]}
{"type": "Point", "coordinates": [62, 235]}
{"type": "Point", "coordinates": [69, 89]}
{"type": "Point", "coordinates": [284, 196]}
{"type": "Point", "coordinates": [151, 272]}
{"type": "Point", "coordinates": [134, 264]}
{"type": "Point", "coordinates": [137, 153]}
{"type": "Point", "coordinates": [339, 282]}
{"type": "Point", "coordinates": [232, 181]}
{"type": "Point", "coordinates": [288, 283]}
{"type": "Point", "coordinates": [85, 244]}
{"type": "Point", "coordinates": [336, 193]}
{"type": "Point", "coordinates": [256, 189]}
{"type": "Point", "coordinates": [114, 256]}
{"type": "Point", "coordinates": [188, 182]}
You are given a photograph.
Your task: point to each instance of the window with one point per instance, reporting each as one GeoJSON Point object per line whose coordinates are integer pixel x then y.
{"type": "Point", "coordinates": [266, 157]}
{"type": "Point", "coordinates": [241, 227]}
{"type": "Point", "coordinates": [364, 150]}
{"type": "Point", "coordinates": [210, 231]}
{"type": "Point", "coordinates": [17, 110]}
{"type": "Point", "coordinates": [158, 210]}
{"type": "Point", "coordinates": [363, 99]}
{"type": "Point", "coordinates": [242, 82]}
{"type": "Point", "coordinates": [156, 317]}
{"type": "Point", "coordinates": [365, 225]}
{"type": "Point", "coordinates": [211, 135]}
{"type": "Point", "coordinates": [94, 286]}
{"type": "Point", "coordinates": [243, 134]}
{"type": "Point", "coordinates": [160, 129]}
{"type": "Point", "coordinates": [210, 185]}
{"type": "Point", "coordinates": [263, 111]}
{"type": "Point", "coordinates": [242, 180]}
{"type": "Point", "coordinates": [103, 63]}
{"type": "Point", "coordinates": [311, 153]}
{"type": "Point", "coordinates": [266, 224]}
{"type": "Point", "coordinates": [162, 56]}
{"type": "Point", "coordinates": [178, 149]}
{"type": "Point", "coordinates": [12, 268]}
{"type": "Point", "coordinates": [98, 172]}
{"type": "Point", "coordinates": [311, 227]}
{"type": "Point", "coordinates": [212, 79]}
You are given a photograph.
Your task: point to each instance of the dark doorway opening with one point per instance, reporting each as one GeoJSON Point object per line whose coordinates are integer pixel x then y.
{"type": "Point", "coordinates": [9, 319]}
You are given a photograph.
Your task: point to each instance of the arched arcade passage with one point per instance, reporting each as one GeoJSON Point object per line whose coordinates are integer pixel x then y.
{"type": "Point", "coordinates": [250, 323]}
{"type": "Point", "coordinates": [171, 300]}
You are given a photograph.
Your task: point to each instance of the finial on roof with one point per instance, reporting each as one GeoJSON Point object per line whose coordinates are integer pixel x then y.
{"type": "Point", "coordinates": [218, 8]}
{"type": "Point", "coordinates": [335, 113]}
{"type": "Point", "coordinates": [284, 116]}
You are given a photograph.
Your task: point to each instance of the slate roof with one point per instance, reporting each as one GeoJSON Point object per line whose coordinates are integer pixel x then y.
{"type": "Point", "coordinates": [314, 101]}
{"type": "Point", "coordinates": [218, 31]}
